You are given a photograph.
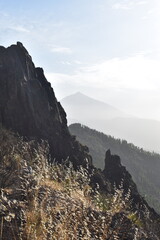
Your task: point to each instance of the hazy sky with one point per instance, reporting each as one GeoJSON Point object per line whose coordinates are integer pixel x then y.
{"type": "Point", "coordinates": [107, 49]}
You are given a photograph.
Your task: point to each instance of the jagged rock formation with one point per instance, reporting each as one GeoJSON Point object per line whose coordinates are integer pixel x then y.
{"type": "Point", "coordinates": [142, 165]}
{"type": "Point", "coordinates": [117, 174]}
{"type": "Point", "coordinates": [28, 105]}
{"type": "Point", "coordinates": [120, 178]}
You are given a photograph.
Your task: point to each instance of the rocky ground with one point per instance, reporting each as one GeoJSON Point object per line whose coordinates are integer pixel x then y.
{"type": "Point", "coordinates": [42, 201]}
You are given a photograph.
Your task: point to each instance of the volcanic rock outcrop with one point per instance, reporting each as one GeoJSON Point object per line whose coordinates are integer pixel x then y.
{"type": "Point", "coordinates": [117, 174]}
{"type": "Point", "coordinates": [120, 178]}
{"type": "Point", "coordinates": [28, 105]}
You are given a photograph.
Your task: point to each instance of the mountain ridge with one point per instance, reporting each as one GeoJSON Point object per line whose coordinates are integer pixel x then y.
{"type": "Point", "coordinates": [81, 97]}
{"type": "Point", "coordinates": [142, 165]}
{"type": "Point", "coordinates": [27, 99]}
{"type": "Point", "coordinates": [79, 100]}
{"type": "Point", "coordinates": [142, 132]}
{"type": "Point", "coordinates": [44, 165]}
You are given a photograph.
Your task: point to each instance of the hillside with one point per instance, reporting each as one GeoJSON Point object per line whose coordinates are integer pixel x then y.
{"type": "Point", "coordinates": [144, 133]}
{"type": "Point", "coordinates": [49, 187]}
{"type": "Point", "coordinates": [52, 202]}
{"type": "Point", "coordinates": [144, 166]}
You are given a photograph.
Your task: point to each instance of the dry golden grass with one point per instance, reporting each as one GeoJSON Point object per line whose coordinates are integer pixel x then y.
{"type": "Point", "coordinates": [56, 202]}
{"type": "Point", "coordinates": [52, 184]}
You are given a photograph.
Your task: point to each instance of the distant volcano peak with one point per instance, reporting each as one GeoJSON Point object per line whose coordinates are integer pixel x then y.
{"type": "Point", "coordinates": [79, 106]}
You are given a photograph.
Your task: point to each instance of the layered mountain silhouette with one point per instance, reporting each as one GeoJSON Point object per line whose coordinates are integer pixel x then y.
{"type": "Point", "coordinates": [28, 106]}
{"type": "Point", "coordinates": [144, 166]}
{"type": "Point", "coordinates": [80, 103]}
{"type": "Point", "coordinates": [105, 118]}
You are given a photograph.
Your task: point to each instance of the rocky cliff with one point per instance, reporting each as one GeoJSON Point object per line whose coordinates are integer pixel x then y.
{"type": "Point", "coordinates": [28, 105]}
{"type": "Point", "coordinates": [117, 175]}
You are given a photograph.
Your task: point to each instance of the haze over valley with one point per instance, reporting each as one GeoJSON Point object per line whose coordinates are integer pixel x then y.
{"type": "Point", "coordinates": [144, 133]}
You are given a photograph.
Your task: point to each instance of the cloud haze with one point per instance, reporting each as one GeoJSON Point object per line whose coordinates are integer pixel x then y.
{"type": "Point", "coordinates": [61, 50]}
{"type": "Point", "coordinates": [128, 4]}
{"type": "Point", "coordinates": [136, 72]}
{"type": "Point", "coordinates": [108, 49]}
{"type": "Point", "coordinates": [134, 79]}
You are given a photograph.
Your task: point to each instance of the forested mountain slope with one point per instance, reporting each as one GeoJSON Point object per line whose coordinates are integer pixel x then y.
{"type": "Point", "coordinates": [111, 121]}
{"type": "Point", "coordinates": [144, 166]}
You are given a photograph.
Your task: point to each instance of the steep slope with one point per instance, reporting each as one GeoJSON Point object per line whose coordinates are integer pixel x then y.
{"type": "Point", "coordinates": [43, 202]}
{"type": "Point", "coordinates": [37, 194]}
{"type": "Point", "coordinates": [102, 117]}
{"type": "Point", "coordinates": [28, 105]}
{"type": "Point", "coordinates": [143, 166]}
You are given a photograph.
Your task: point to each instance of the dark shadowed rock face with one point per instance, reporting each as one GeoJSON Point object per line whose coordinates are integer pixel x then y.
{"type": "Point", "coordinates": [117, 174]}
{"type": "Point", "coordinates": [28, 104]}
